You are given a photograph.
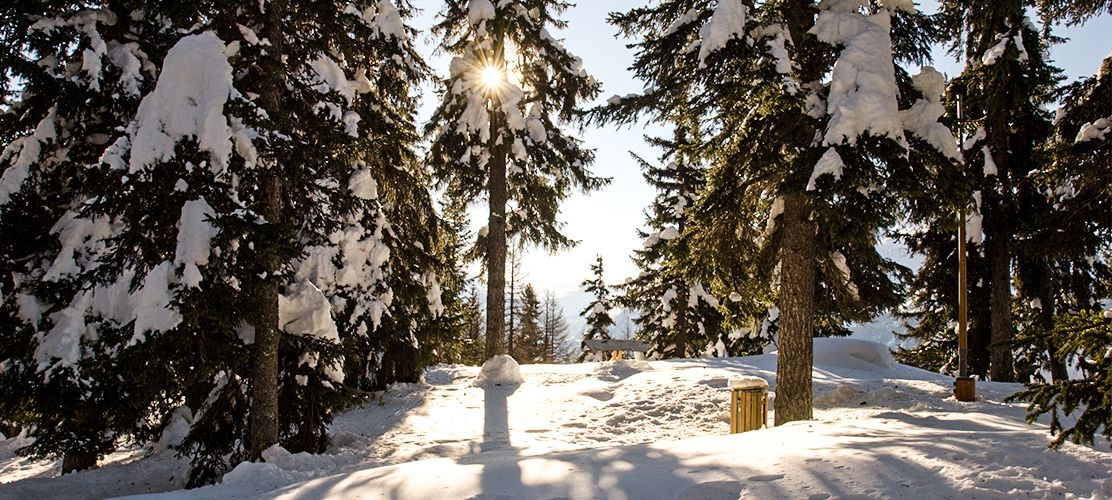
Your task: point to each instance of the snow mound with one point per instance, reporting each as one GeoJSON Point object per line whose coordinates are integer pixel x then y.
{"type": "Point", "coordinates": [614, 371]}
{"type": "Point", "coordinates": [499, 370]}
{"type": "Point", "coordinates": [854, 354]}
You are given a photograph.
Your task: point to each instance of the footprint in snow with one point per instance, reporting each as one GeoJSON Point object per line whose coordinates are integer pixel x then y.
{"type": "Point", "coordinates": [766, 478]}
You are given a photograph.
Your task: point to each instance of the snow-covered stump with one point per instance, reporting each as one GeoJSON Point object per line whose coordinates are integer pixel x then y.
{"type": "Point", "coordinates": [748, 404]}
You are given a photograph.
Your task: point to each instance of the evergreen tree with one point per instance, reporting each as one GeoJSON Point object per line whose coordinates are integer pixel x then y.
{"type": "Point", "coordinates": [597, 313]}
{"type": "Point", "coordinates": [496, 133]}
{"type": "Point", "coordinates": [1005, 83]}
{"type": "Point", "coordinates": [1033, 241]}
{"type": "Point", "coordinates": [677, 315]}
{"type": "Point", "coordinates": [805, 170]}
{"type": "Point", "coordinates": [531, 341]}
{"type": "Point", "coordinates": [455, 330]}
{"type": "Point", "coordinates": [244, 222]}
{"type": "Point", "coordinates": [474, 345]}
{"type": "Point", "coordinates": [73, 74]}
{"type": "Point", "coordinates": [1086, 339]}
{"type": "Point", "coordinates": [557, 347]}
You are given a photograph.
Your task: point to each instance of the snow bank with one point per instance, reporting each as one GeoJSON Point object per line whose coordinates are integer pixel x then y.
{"type": "Point", "coordinates": [499, 370]}
{"type": "Point", "coordinates": [854, 354]}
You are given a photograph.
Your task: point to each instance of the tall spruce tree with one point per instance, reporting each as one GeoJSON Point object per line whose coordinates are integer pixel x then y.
{"type": "Point", "coordinates": [805, 170]}
{"type": "Point", "coordinates": [677, 315]}
{"type": "Point", "coordinates": [243, 229]}
{"type": "Point", "coordinates": [597, 313]}
{"type": "Point", "coordinates": [531, 342]}
{"type": "Point", "coordinates": [73, 74]}
{"type": "Point", "coordinates": [1079, 184]}
{"type": "Point", "coordinates": [1004, 87]}
{"type": "Point", "coordinates": [497, 131]}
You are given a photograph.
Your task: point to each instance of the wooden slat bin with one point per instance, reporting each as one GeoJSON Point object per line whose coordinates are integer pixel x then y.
{"type": "Point", "coordinates": [748, 404]}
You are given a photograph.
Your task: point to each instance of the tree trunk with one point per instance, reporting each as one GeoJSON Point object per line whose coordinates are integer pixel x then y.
{"type": "Point", "coordinates": [496, 245]}
{"type": "Point", "coordinates": [74, 461]}
{"type": "Point", "coordinates": [262, 431]}
{"type": "Point", "coordinates": [797, 312]}
{"type": "Point", "coordinates": [1001, 367]}
{"type": "Point", "coordinates": [510, 330]}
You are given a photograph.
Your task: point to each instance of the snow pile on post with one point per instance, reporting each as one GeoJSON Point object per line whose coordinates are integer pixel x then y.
{"type": "Point", "coordinates": [499, 370]}
{"type": "Point", "coordinates": [748, 382]}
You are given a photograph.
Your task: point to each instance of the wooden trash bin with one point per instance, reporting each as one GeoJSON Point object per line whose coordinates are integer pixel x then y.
{"type": "Point", "coordinates": [965, 389]}
{"type": "Point", "coordinates": [748, 404]}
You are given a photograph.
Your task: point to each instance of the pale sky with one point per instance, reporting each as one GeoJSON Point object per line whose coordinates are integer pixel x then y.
{"type": "Point", "coordinates": [604, 222]}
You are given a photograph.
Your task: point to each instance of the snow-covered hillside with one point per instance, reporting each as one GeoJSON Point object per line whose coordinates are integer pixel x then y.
{"type": "Point", "coordinates": [642, 430]}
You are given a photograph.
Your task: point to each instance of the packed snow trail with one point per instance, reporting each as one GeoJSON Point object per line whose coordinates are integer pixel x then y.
{"type": "Point", "coordinates": [637, 429]}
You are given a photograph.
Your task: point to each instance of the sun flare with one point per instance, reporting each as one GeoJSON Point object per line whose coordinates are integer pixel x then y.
{"type": "Point", "coordinates": [492, 77]}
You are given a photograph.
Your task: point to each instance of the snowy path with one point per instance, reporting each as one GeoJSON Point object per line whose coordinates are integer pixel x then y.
{"type": "Point", "coordinates": [652, 430]}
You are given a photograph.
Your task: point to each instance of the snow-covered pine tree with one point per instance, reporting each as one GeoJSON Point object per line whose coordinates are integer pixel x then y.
{"type": "Point", "coordinates": [676, 315]}
{"type": "Point", "coordinates": [497, 131]}
{"type": "Point", "coordinates": [254, 190]}
{"type": "Point", "coordinates": [597, 313]}
{"type": "Point", "coordinates": [805, 170]}
{"type": "Point", "coordinates": [1059, 265]}
{"type": "Point", "coordinates": [73, 74]}
{"type": "Point", "coordinates": [531, 339]}
{"type": "Point", "coordinates": [1004, 86]}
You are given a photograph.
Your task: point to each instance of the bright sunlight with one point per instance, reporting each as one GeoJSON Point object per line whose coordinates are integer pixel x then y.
{"type": "Point", "coordinates": [492, 77]}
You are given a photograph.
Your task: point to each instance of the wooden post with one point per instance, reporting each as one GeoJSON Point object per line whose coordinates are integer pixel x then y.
{"type": "Point", "coordinates": [964, 385]}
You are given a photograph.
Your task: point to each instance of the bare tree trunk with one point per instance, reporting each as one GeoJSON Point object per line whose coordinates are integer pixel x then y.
{"type": "Point", "coordinates": [1001, 367]}
{"type": "Point", "coordinates": [263, 424]}
{"type": "Point", "coordinates": [76, 460]}
{"type": "Point", "coordinates": [496, 246]}
{"type": "Point", "coordinates": [263, 430]}
{"type": "Point", "coordinates": [510, 328]}
{"type": "Point", "coordinates": [797, 311]}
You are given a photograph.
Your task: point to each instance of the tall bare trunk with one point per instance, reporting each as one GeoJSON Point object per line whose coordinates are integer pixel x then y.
{"type": "Point", "coordinates": [998, 248]}
{"type": "Point", "coordinates": [496, 245]}
{"type": "Point", "coordinates": [263, 424]}
{"type": "Point", "coordinates": [797, 311]}
{"type": "Point", "coordinates": [263, 431]}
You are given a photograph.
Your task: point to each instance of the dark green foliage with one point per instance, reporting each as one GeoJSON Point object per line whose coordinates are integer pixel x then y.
{"type": "Point", "coordinates": [531, 341]}
{"type": "Point", "coordinates": [677, 315]}
{"type": "Point", "coordinates": [1086, 339]}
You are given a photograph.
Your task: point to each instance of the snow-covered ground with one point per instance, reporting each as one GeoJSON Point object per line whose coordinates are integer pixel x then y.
{"type": "Point", "coordinates": [635, 429]}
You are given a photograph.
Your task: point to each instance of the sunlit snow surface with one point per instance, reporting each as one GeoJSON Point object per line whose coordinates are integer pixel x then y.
{"type": "Point", "coordinates": [636, 429]}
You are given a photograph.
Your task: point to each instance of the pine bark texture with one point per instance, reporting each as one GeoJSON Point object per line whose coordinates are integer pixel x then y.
{"type": "Point", "coordinates": [797, 312]}
{"type": "Point", "coordinates": [496, 248]}
{"type": "Point", "coordinates": [263, 422]}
